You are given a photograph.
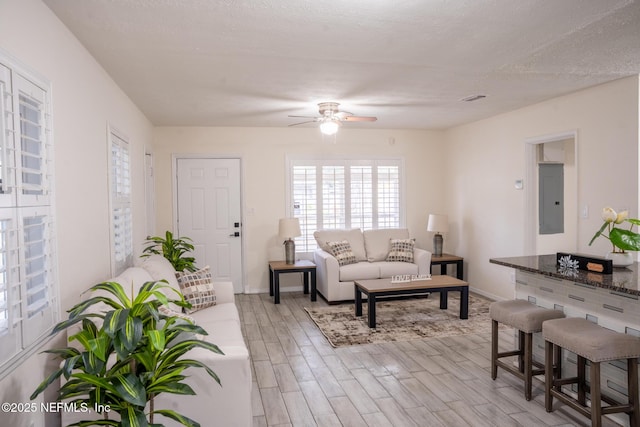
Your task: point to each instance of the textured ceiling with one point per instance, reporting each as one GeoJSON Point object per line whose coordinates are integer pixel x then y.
{"type": "Point", "coordinates": [410, 62]}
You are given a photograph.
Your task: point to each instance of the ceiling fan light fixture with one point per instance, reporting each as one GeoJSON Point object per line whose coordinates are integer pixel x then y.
{"type": "Point", "coordinates": [329, 127]}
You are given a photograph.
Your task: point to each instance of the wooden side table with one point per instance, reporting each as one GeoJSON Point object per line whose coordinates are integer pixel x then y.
{"type": "Point", "coordinates": [447, 259]}
{"type": "Point", "coordinates": [300, 266]}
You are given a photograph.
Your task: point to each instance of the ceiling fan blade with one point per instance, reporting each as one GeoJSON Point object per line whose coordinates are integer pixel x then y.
{"type": "Point", "coordinates": [302, 123]}
{"type": "Point", "coordinates": [359, 119]}
{"type": "Point", "coordinates": [305, 117]}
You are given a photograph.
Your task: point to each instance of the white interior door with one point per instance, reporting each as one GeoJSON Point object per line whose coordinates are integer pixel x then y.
{"type": "Point", "coordinates": [209, 212]}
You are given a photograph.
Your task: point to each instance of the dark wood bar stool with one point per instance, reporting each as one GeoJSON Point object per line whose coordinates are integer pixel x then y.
{"type": "Point", "coordinates": [595, 344]}
{"type": "Point", "coordinates": [527, 318]}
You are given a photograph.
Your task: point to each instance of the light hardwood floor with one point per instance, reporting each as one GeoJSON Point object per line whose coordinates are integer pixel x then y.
{"type": "Point", "coordinates": [300, 380]}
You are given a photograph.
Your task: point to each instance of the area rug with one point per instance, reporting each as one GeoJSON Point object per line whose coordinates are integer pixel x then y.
{"type": "Point", "coordinates": [401, 320]}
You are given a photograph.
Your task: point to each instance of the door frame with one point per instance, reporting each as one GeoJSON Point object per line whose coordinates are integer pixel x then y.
{"type": "Point", "coordinates": [174, 189]}
{"type": "Point", "coordinates": [531, 189]}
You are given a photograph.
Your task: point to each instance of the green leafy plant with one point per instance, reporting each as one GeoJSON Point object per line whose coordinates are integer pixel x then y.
{"type": "Point", "coordinates": [621, 239]}
{"type": "Point", "coordinates": [128, 357]}
{"type": "Point", "coordinates": [173, 249]}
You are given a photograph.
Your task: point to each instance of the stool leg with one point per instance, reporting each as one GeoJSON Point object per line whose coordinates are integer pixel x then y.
{"type": "Point", "coordinates": [596, 401]}
{"type": "Point", "coordinates": [557, 361]}
{"type": "Point", "coordinates": [548, 375]}
{"type": "Point", "coordinates": [521, 351]}
{"type": "Point", "coordinates": [494, 349]}
{"type": "Point", "coordinates": [632, 387]}
{"type": "Point", "coordinates": [582, 374]}
{"type": "Point", "coordinates": [528, 365]}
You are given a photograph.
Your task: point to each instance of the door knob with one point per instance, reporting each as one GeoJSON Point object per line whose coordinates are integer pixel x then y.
{"type": "Point", "coordinates": [235, 234]}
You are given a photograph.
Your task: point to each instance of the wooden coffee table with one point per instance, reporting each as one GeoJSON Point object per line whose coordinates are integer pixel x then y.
{"type": "Point", "coordinates": [383, 287]}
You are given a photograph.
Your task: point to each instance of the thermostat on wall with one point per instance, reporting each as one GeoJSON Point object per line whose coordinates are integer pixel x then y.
{"type": "Point", "coordinates": [518, 184]}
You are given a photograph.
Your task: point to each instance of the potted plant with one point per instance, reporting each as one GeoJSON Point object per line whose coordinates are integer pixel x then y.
{"type": "Point", "coordinates": [173, 249]}
{"type": "Point", "coordinates": [622, 240]}
{"type": "Point", "coordinates": [130, 355]}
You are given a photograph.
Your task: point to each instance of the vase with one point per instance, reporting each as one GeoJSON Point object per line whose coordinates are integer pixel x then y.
{"type": "Point", "coordinates": [620, 259]}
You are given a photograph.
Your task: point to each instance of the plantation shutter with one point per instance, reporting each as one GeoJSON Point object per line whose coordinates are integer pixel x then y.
{"type": "Point", "coordinates": [7, 131]}
{"type": "Point", "coordinates": [121, 214]}
{"type": "Point", "coordinates": [28, 276]}
{"type": "Point", "coordinates": [10, 307]}
{"type": "Point", "coordinates": [34, 173]}
{"type": "Point", "coordinates": [328, 194]}
{"type": "Point", "coordinates": [36, 273]}
{"type": "Point", "coordinates": [305, 205]}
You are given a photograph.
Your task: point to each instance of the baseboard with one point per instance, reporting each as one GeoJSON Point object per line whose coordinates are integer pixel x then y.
{"type": "Point", "coordinates": [485, 294]}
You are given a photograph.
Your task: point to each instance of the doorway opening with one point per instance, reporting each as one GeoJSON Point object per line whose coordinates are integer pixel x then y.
{"type": "Point", "coordinates": [551, 199]}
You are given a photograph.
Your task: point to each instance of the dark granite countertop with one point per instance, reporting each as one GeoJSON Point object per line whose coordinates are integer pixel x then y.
{"type": "Point", "coordinates": [621, 280]}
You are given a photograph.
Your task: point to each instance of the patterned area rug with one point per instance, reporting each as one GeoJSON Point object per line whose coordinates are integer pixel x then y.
{"type": "Point", "coordinates": [401, 320]}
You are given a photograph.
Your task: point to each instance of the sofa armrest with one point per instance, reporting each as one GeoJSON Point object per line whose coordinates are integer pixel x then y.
{"type": "Point", "coordinates": [422, 258]}
{"type": "Point", "coordinates": [327, 271]}
{"type": "Point", "coordinates": [224, 292]}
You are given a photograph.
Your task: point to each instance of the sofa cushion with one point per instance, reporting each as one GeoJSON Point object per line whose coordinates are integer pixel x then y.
{"type": "Point", "coordinates": [360, 270]}
{"type": "Point", "coordinates": [401, 250]}
{"type": "Point", "coordinates": [388, 269]}
{"type": "Point", "coordinates": [377, 242]}
{"type": "Point", "coordinates": [159, 268]}
{"type": "Point", "coordinates": [222, 332]}
{"type": "Point", "coordinates": [353, 236]}
{"type": "Point", "coordinates": [197, 288]}
{"type": "Point", "coordinates": [341, 250]}
{"type": "Point", "coordinates": [219, 312]}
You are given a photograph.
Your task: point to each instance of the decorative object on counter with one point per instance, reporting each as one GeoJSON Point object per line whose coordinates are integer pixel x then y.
{"type": "Point", "coordinates": [571, 262]}
{"type": "Point", "coordinates": [622, 240]}
{"type": "Point", "coordinates": [289, 228]}
{"type": "Point", "coordinates": [439, 224]}
{"type": "Point", "coordinates": [567, 266]}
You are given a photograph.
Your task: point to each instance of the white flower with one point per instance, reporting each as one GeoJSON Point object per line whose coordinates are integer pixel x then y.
{"type": "Point", "coordinates": [609, 215]}
{"type": "Point", "coordinates": [621, 217]}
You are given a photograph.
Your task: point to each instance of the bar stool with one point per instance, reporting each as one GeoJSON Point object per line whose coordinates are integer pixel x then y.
{"type": "Point", "coordinates": [595, 344]}
{"type": "Point", "coordinates": [527, 318]}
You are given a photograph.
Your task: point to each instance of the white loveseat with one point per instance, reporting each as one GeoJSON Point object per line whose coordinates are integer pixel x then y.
{"type": "Point", "coordinates": [228, 404]}
{"type": "Point", "coordinates": [370, 248]}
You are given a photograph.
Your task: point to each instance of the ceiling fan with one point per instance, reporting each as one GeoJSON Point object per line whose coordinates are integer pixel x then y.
{"type": "Point", "coordinates": [331, 118]}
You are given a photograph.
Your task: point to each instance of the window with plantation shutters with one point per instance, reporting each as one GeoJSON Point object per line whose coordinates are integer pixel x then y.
{"type": "Point", "coordinates": [28, 279]}
{"type": "Point", "coordinates": [121, 214]}
{"type": "Point", "coordinates": [331, 194]}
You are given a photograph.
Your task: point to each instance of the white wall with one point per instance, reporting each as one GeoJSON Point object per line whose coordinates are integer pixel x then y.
{"type": "Point", "coordinates": [84, 99]}
{"type": "Point", "coordinates": [486, 157]}
{"type": "Point", "coordinates": [263, 152]}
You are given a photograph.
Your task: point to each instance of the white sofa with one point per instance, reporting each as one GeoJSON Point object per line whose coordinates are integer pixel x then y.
{"type": "Point", "coordinates": [370, 248]}
{"type": "Point", "coordinates": [228, 404]}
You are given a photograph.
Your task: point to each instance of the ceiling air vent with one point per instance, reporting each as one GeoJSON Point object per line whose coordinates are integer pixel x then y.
{"type": "Point", "coordinates": [473, 98]}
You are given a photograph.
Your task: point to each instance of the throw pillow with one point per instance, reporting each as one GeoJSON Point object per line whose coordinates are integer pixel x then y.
{"type": "Point", "coordinates": [342, 252]}
{"type": "Point", "coordinates": [401, 250]}
{"type": "Point", "coordinates": [197, 289]}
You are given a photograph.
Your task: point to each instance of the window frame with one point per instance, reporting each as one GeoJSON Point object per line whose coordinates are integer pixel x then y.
{"type": "Point", "coordinates": [29, 255]}
{"type": "Point", "coordinates": [120, 199]}
{"type": "Point", "coordinates": [305, 244]}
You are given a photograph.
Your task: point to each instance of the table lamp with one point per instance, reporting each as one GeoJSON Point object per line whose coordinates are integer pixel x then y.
{"type": "Point", "coordinates": [289, 228]}
{"type": "Point", "coordinates": [439, 224]}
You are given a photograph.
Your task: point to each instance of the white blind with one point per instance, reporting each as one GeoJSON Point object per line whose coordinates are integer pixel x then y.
{"type": "Point", "coordinates": [329, 194]}
{"type": "Point", "coordinates": [121, 213]}
{"type": "Point", "coordinates": [28, 280]}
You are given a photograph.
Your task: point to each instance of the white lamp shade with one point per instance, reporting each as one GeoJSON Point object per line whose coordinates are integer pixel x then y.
{"type": "Point", "coordinates": [438, 223]}
{"type": "Point", "coordinates": [289, 228]}
{"type": "Point", "coordinates": [329, 127]}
